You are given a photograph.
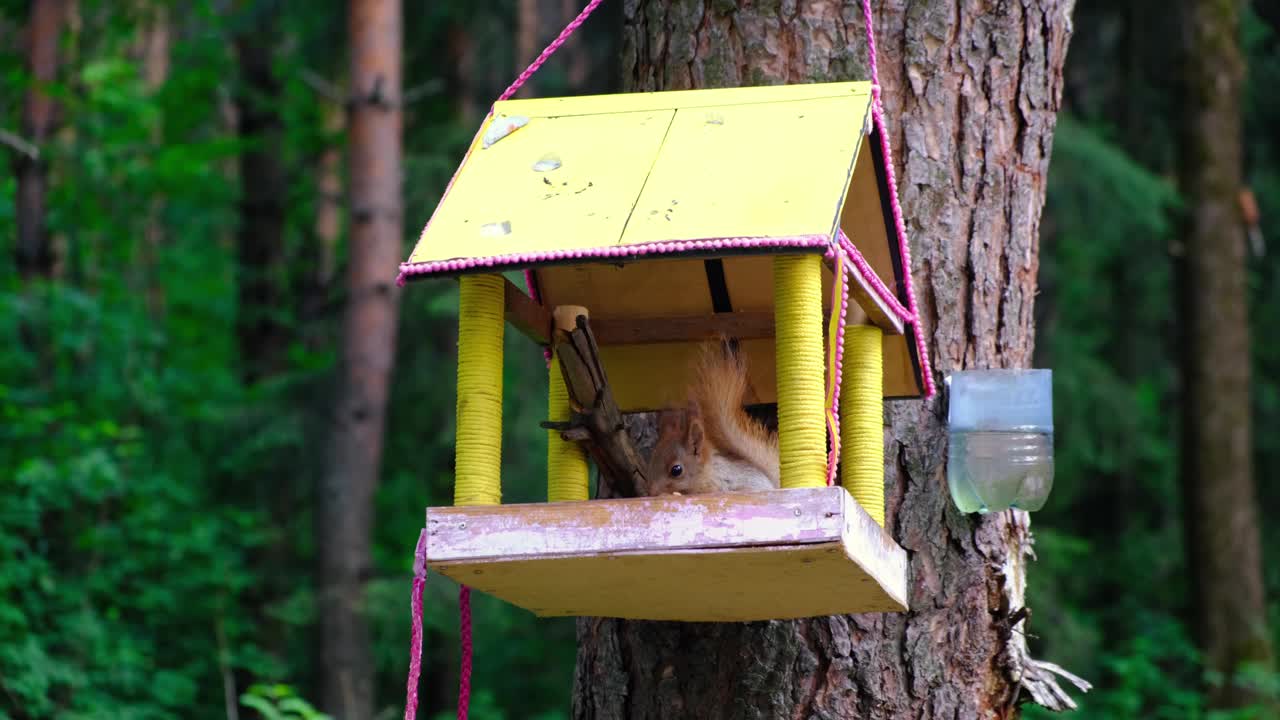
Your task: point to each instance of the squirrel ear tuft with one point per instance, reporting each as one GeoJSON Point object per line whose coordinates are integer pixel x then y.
{"type": "Point", "coordinates": [670, 422]}
{"type": "Point", "coordinates": [696, 432]}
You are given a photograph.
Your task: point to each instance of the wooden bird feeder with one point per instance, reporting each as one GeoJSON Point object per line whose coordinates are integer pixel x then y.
{"type": "Point", "coordinates": [670, 218]}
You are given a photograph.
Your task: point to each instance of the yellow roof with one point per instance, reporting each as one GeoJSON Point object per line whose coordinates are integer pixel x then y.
{"type": "Point", "coordinates": [594, 172]}
{"type": "Point", "coordinates": [606, 199]}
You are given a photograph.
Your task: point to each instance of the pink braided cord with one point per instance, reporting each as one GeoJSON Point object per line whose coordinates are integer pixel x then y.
{"type": "Point", "coordinates": [868, 273]}
{"type": "Point", "coordinates": [512, 260]}
{"type": "Point", "coordinates": [839, 302]}
{"type": "Point", "coordinates": [464, 672]}
{"type": "Point", "coordinates": [415, 643]}
{"type": "Point", "coordinates": [877, 114]}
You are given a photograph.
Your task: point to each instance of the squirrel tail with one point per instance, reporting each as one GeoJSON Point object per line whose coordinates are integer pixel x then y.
{"type": "Point", "coordinates": [720, 396]}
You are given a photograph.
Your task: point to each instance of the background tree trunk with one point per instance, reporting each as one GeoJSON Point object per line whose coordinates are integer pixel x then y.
{"type": "Point", "coordinates": [154, 43]}
{"type": "Point", "coordinates": [33, 250]}
{"type": "Point", "coordinates": [327, 228]}
{"type": "Point", "coordinates": [263, 290]}
{"type": "Point", "coordinates": [345, 502]}
{"type": "Point", "coordinates": [1224, 550]}
{"type": "Point", "coordinates": [971, 92]}
{"type": "Point", "coordinates": [527, 33]}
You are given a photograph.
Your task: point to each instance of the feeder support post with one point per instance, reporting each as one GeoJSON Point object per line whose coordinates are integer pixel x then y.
{"type": "Point", "coordinates": [862, 418]}
{"type": "Point", "coordinates": [797, 298]}
{"type": "Point", "coordinates": [478, 458]}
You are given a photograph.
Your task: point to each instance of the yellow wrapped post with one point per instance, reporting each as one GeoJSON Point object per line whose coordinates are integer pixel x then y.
{"type": "Point", "coordinates": [566, 462]}
{"type": "Point", "coordinates": [797, 298]}
{"type": "Point", "coordinates": [478, 459]}
{"type": "Point", "coordinates": [862, 418]}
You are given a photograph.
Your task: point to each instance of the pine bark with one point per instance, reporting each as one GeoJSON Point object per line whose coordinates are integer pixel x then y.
{"type": "Point", "coordinates": [1223, 545]}
{"type": "Point", "coordinates": [971, 91]}
{"type": "Point", "coordinates": [345, 502]}
{"type": "Point", "coordinates": [33, 250]}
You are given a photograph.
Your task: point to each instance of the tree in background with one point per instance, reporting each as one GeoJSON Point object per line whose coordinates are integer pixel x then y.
{"type": "Point", "coordinates": [971, 95]}
{"type": "Point", "coordinates": [34, 254]}
{"type": "Point", "coordinates": [1220, 514]}
{"type": "Point", "coordinates": [354, 450]}
{"type": "Point", "coordinates": [263, 272]}
{"type": "Point", "coordinates": [154, 48]}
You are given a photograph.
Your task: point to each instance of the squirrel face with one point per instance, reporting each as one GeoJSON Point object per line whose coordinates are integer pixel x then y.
{"type": "Point", "coordinates": [679, 456]}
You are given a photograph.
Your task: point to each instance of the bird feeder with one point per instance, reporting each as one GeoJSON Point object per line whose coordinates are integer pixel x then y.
{"type": "Point", "coordinates": [674, 217]}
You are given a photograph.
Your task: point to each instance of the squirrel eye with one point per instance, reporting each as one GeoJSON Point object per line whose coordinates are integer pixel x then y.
{"type": "Point", "coordinates": [677, 470]}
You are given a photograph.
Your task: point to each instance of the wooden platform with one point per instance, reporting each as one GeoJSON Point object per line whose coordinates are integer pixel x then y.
{"type": "Point", "coordinates": [727, 557]}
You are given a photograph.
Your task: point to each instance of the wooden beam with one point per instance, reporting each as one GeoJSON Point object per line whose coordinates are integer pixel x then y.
{"type": "Point", "coordinates": [636, 331]}
{"type": "Point", "coordinates": [533, 320]}
{"type": "Point", "coordinates": [877, 310]}
{"type": "Point", "coordinates": [527, 316]}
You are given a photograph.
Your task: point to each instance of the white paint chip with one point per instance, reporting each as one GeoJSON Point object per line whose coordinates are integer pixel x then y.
{"type": "Point", "coordinates": [547, 163]}
{"type": "Point", "coordinates": [496, 229]}
{"type": "Point", "coordinates": [503, 126]}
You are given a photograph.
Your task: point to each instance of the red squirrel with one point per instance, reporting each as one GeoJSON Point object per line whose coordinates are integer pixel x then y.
{"type": "Point", "coordinates": [713, 445]}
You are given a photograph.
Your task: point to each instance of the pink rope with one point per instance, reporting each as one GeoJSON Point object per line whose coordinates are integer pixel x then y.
{"type": "Point", "coordinates": [464, 672]}
{"type": "Point", "coordinates": [877, 113]}
{"type": "Point", "coordinates": [838, 304]}
{"type": "Point", "coordinates": [840, 246]}
{"type": "Point", "coordinates": [415, 643]}
{"type": "Point", "coordinates": [868, 273]}
{"type": "Point", "coordinates": [550, 50]}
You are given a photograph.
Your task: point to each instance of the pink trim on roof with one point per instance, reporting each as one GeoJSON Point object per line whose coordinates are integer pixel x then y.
{"type": "Point", "coordinates": [864, 269]}
{"type": "Point", "coordinates": [516, 260]}
{"type": "Point", "coordinates": [900, 225]}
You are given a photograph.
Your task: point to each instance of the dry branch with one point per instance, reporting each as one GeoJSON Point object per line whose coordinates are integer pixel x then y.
{"type": "Point", "coordinates": [595, 420]}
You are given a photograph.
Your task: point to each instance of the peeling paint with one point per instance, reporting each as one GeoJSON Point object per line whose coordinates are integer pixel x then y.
{"type": "Point", "coordinates": [496, 229]}
{"type": "Point", "coordinates": [503, 126]}
{"type": "Point", "coordinates": [547, 163]}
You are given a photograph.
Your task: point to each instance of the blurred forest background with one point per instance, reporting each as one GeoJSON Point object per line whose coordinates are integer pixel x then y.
{"type": "Point", "coordinates": [167, 371]}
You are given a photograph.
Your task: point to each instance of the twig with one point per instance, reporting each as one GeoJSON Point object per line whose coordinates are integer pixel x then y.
{"type": "Point", "coordinates": [431, 87]}
{"type": "Point", "coordinates": [330, 91]}
{"type": "Point", "coordinates": [20, 145]}
{"type": "Point", "coordinates": [595, 419]}
{"type": "Point", "coordinates": [336, 95]}
{"type": "Point", "coordinates": [230, 698]}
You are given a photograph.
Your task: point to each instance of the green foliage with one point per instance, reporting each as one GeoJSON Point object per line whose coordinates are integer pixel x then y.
{"type": "Point", "coordinates": [154, 509]}
{"type": "Point", "coordinates": [279, 702]}
{"type": "Point", "coordinates": [1109, 590]}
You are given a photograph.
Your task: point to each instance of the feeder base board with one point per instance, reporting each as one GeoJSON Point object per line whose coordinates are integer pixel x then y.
{"type": "Point", "coordinates": [726, 557]}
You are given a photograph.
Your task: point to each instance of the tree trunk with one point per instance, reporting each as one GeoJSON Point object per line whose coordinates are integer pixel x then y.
{"type": "Point", "coordinates": [263, 290]}
{"type": "Point", "coordinates": [154, 49]}
{"type": "Point", "coordinates": [576, 57]}
{"type": "Point", "coordinates": [328, 224]}
{"type": "Point", "coordinates": [345, 503]}
{"type": "Point", "coordinates": [971, 91]}
{"type": "Point", "coordinates": [462, 57]}
{"type": "Point", "coordinates": [526, 40]}
{"type": "Point", "coordinates": [1220, 507]}
{"type": "Point", "coordinates": [318, 281]}
{"type": "Point", "coordinates": [34, 254]}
